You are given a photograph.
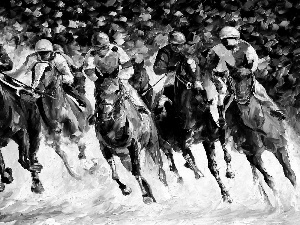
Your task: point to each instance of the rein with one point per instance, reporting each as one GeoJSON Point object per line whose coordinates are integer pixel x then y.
{"type": "Point", "coordinates": [22, 86]}
{"type": "Point", "coordinates": [188, 84]}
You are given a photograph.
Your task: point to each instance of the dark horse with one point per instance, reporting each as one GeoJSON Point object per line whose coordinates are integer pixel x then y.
{"type": "Point", "coordinates": [20, 122]}
{"type": "Point", "coordinates": [61, 113]}
{"type": "Point", "coordinates": [123, 131]}
{"type": "Point", "coordinates": [184, 122]}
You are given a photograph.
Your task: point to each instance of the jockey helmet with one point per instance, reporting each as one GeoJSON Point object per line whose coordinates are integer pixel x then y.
{"type": "Point", "coordinates": [177, 38]}
{"type": "Point", "coordinates": [100, 39]}
{"type": "Point", "coordinates": [43, 45]}
{"type": "Point", "coordinates": [229, 32]}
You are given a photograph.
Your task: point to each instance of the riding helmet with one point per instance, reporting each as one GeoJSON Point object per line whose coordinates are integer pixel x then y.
{"type": "Point", "coordinates": [43, 45]}
{"type": "Point", "coordinates": [100, 39]}
{"type": "Point", "coordinates": [177, 38]}
{"type": "Point", "coordinates": [229, 32]}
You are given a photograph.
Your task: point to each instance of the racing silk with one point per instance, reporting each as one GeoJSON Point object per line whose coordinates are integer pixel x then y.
{"type": "Point", "coordinates": [29, 66]}
{"type": "Point", "coordinates": [185, 69]}
{"type": "Point", "coordinates": [243, 62]}
{"type": "Point", "coordinates": [102, 70]}
{"type": "Point", "coordinates": [94, 63]}
{"type": "Point", "coordinates": [5, 62]}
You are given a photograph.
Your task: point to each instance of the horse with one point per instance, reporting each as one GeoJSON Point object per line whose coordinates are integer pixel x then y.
{"type": "Point", "coordinates": [20, 122]}
{"type": "Point", "coordinates": [202, 128]}
{"type": "Point", "coordinates": [254, 134]}
{"type": "Point", "coordinates": [123, 131]}
{"type": "Point", "coordinates": [62, 115]}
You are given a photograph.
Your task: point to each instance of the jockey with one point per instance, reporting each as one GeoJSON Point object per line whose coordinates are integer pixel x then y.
{"type": "Point", "coordinates": [233, 63]}
{"type": "Point", "coordinates": [168, 61]}
{"type": "Point", "coordinates": [100, 52]}
{"type": "Point", "coordinates": [44, 53]}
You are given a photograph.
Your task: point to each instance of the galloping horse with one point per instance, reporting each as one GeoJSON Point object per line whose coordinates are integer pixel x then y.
{"type": "Point", "coordinates": [123, 131]}
{"type": "Point", "coordinates": [256, 125]}
{"type": "Point", "coordinates": [20, 122]}
{"type": "Point", "coordinates": [61, 114]}
{"type": "Point", "coordinates": [199, 123]}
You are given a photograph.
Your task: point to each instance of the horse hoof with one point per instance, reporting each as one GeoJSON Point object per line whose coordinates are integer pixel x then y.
{"type": "Point", "coordinates": [227, 198]}
{"type": "Point", "coordinates": [2, 187]}
{"type": "Point", "coordinates": [126, 191]}
{"type": "Point", "coordinates": [186, 165]}
{"type": "Point", "coordinates": [198, 176]}
{"type": "Point", "coordinates": [81, 156]}
{"type": "Point", "coordinates": [230, 174]}
{"type": "Point", "coordinates": [37, 188]}
{"type": "Point", "coordinates": [147, 200]}
{"type": "Point", "coordinates": [180, 180]}
{"type": "Point", "coordinates": [7, 176]}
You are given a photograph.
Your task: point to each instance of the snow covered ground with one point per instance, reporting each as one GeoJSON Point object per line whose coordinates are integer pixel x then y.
{"type": "Point", "coordinates": [96, 199]}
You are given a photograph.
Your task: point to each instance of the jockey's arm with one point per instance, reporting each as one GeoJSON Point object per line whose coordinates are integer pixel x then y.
{"type": "Point", "coordinates": [64, 69]}
{"type": "Point", "coordinates": [26, 66]}
{"type": "Point", "coordinates": [161, 63]}
{"type": "Point", "coordinates": [252, 58]}
{"type": "Point", "coordinates": [217, 77]}
{"type": "Point", "coordinates": [89, 66]}
{"type": "Point", "coordinates": [6, 63]}
{"type": "Point", "coordinates": [126, 69]}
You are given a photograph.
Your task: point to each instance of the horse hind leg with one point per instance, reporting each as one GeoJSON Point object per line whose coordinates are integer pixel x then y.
{"type": "Point", "coordinates": [282, 155]}
{"type": "Point", "coordinates": [256, 161]}
{"type": "Point", "coordinates": [148, 197]}
{"type": "Point", "coordinates": [212, 165]}
{"type": "Point", "coordinates": [260, 186]}
{"type": "Point", "coordinates": [63, 155]}
{"type": "Point", "coordinates": [168, 151]}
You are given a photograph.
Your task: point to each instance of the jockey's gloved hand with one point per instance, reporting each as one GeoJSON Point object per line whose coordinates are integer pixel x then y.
{"type": "Point", "coordinates": [198, 85]}
{"type": "Point", "coordinates": [172, 68]}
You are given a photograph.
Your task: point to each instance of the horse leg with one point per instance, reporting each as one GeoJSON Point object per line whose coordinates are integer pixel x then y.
{"type": "Point", "coordinates": [148, 197]}
{"type": "Point", "coordinates": [81, 146]}
{"type": "Point", "coordinates": [227, 156]}
{"type": "Point", "coordinates": [35, 167]}
{"type": "Point", "coordinates": [282, 155]}
{"type": "Point", "coordinates": [168, 151]}
{"type": "Point", "coordinates": [110, 160]}
{"type": "Point", "coordinates": [256, 161]}
{"type": "Point", "coordinates": [260, 187]}
{"type": "Point", "coordinates": [187, 154]}
{"type": "Point", "coordinates": [212, 165]}
{"type": "Point", "coordinates": [22, 139]}
{"type": "Point", "coordinates": [63, 155]}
